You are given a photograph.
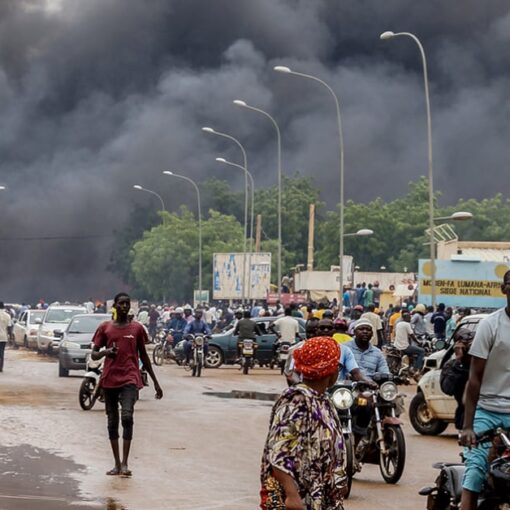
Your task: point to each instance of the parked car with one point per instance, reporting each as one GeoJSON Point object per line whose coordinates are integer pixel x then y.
{"type": "Point", "coordinates": [223, 346]}
{"type": "Point", "coordinates": [431, 410]}
{"type": "Point", "coordinates": [54, 322]}
{"type": "Point", "coordinates": [25, 329]}
{"type": "Point", "coordinates": [75, 344]}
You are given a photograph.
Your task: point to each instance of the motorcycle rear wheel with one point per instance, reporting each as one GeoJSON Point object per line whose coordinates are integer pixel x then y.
{"type": "Point", "coordinates": [392, 463]}
{"type": "Point", "coordinates": [158, 355]}
{"type": "Point", "coordinates": [86, 394]}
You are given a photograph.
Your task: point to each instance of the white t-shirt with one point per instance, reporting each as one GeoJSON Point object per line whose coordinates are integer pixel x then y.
{"type": "Point", "coordinates": [492, 343]}
{"type": "Point", "coordinates": [402, 331]}
{"type": "Point", "coordinates": [288, 327]}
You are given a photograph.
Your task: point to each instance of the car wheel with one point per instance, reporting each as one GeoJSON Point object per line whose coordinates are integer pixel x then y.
{"type": "Point", "coordinates": [214, 357]}
{"type": "Point", "coordinates": [62, 372]}
{"type": "Point", "coordinates": [421, 417]}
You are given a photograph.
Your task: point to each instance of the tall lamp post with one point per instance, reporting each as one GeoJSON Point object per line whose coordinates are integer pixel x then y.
{"type": "Point", "coordinates": [243, 104]}
{"type": "Point", "coordinates": [141, 188]}
{"type": "Point", "coordinates": [199, 207]}
{"type": "Point", "coordinates": [252, 185]}
{"type": "Point", "coordinates": [287, 70]}
{"type": "Point", "coordinates": [212, 131]}
{"type": "Point", "coordinates": [390, 35]}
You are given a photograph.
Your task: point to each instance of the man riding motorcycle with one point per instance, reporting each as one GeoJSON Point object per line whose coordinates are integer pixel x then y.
{"type": "Point", "coordinates": [196, 327]}
{"type": "Point", "coordinates": [177, 324]}
{"type": "Point", "coordinates": [246, 329]}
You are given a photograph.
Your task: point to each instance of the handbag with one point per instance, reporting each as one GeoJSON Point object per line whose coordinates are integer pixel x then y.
{"type": "Point", "coordinates": [453, 378]}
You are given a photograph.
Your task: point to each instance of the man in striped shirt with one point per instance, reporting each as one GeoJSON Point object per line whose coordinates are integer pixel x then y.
{"type": "Point", "coordinates": [370, 359]}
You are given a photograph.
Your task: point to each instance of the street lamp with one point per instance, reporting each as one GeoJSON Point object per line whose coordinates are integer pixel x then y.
{"type": "Point", "coordinates": [363, 232]}
{"type": "Point", "coordinates": [456, 216]}
{"type": "Point", "coordinates": [287, 70]}
{"type": "Point", "coordinates": [199, 207]}
{"type": "Point", "coordinates": [247, 175]}
{"type": "Point", "coordinates": [212, 131]}
{"type": "Point", "coordinates": [141, 188]}
{"type": "Point", "coordinates": [390, 35]}
{"type": "Point", "coordinates": [243, 104]}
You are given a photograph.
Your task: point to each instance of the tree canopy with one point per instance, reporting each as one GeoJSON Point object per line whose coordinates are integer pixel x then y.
{"type": "Point", "coordinates": [158, 255]}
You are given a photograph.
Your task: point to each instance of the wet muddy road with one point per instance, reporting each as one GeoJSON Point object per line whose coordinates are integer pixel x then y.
{"type": "Point", "coordinates": [197, 449]}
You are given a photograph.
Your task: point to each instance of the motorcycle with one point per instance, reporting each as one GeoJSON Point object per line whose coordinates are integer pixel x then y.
{"type": "Point", "coordinates": [197, 361]}
{"type": "Point", "coordinates": [163, 351]}
{"type": "Point", "coordinates": [248, 349]}
{"type": "Point", "coordinates": [378, 435]}
{"type": "Point", "coordinates": [446, 493]}
{"type": "Point", "coordinates": [342, 398]}
{"type": "Point", "coordinates": [90, 389]}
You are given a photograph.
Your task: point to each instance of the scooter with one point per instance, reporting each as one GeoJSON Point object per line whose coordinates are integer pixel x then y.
{"type": "Point", "coordinates": [90, 389]}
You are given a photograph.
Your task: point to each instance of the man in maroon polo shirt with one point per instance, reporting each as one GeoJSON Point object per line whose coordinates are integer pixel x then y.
{"type": "Point", "coordinates": [124, 344]}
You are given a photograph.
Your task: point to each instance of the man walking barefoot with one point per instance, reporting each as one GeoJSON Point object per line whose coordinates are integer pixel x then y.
{"type": "Point", "coordinates": [124, 344]}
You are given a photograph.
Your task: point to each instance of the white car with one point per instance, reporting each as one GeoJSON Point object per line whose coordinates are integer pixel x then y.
{"type": "Point", "coordinates": [26, 328]}
{"type": "Point", "coordinates": [55, 321]}
{"type": "Point", "coordinates": [431, 410]}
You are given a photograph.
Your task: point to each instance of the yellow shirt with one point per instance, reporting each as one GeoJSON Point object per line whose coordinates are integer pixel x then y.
{"type": "Point", "coordinates": [394, 318]}
{"type": "Point", "coordinates": [341, 338]}
{"type": "Point", "coordinates": [319, 314]}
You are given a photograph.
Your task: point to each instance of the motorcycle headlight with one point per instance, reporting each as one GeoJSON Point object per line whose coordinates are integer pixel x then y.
{"type": "Point", "coordinates": [342, 398]}
{"type": "Point", "coordinates": [388, 391]}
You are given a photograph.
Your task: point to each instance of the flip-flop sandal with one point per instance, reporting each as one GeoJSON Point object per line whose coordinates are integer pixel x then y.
{"type": "Point", "coordinates": [113, 472]}
{"type": "Point", "coordinates": [125, 472]}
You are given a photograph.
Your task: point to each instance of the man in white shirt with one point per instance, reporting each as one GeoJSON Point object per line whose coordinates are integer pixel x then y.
{"type": "Point", "coordinates": [5, 322]}
{"type": "Point", "coordinates": [287, 327]}
{"type": "Point", "coordinates": [403, 336]}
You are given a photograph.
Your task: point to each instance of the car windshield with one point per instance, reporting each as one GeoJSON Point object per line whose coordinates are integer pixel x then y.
{"type": "Point", "coordinates": [62, 315]}
{"type": "Point", "coordinates": [85, 324]}
{"type": "Point", "coordinates": [36, 315]}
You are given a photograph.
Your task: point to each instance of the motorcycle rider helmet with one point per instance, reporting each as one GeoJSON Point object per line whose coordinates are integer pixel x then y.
{"type": "Point", "coordinates": [420, 308]}
{"type": "Point", "coordinates": [328, 314]}
{"type": "Point", "coordinates": [179, 309]}
{"type": "Point", "coordinates": [359, 308]}
{"type": "Point", "coordinates": [341, 325]}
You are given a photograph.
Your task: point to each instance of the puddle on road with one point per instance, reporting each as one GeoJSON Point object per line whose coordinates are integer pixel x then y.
{"type": "Point", "coordinates": [251, 395]}
{"type": "Point", "coordinates": [35, 479]}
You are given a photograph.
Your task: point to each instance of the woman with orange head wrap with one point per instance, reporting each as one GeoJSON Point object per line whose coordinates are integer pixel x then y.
{"type": "Point", "coordinates": [302, 464]}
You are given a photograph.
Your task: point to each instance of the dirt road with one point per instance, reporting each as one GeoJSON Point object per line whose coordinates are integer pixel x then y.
{"type": "Point", "coordinates": [193, 450]}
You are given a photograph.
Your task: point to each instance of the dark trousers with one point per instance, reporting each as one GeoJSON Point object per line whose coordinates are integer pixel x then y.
{"type": "Point", "coordinates": [126, 396]}
{"type": "Point", "coordinates": [2, 350]}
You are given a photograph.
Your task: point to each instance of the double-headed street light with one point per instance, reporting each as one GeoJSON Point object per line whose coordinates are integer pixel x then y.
{"type": "Point", "coordinates": [287, 70]}
{"type": "Point", "coordinates": [199, 207]}
{"type": "Point", "coordinates": [243, 104]}
{"type": "Point", "coordinates": [390, 35]}
{"type": "Point", "coordinates": [141, 188]}
{"type": "Point", "coordinates": [212, 131]}
{"type": "Point", "coordinates": [247, 175]}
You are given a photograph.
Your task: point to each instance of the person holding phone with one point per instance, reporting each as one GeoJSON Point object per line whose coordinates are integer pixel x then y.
{"type": "Point", "coordinates": [123, 343]}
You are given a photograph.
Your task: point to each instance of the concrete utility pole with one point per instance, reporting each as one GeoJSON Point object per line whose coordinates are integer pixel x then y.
{"type": "Point", "coordinates": [258, 232]}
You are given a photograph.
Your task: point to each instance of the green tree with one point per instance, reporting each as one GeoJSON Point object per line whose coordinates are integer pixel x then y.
{"type": "Point", "coordinates": [165, 260]}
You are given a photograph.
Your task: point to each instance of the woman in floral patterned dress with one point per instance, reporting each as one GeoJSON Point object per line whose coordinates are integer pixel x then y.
{"type": "Point", "coordinates": [303, 464]}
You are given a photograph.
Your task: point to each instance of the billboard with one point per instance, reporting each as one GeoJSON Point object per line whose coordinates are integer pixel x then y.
{"type": "Point", "coordinates": [463, 283]}
{"type": "Point", "coordinates": [228, 275]}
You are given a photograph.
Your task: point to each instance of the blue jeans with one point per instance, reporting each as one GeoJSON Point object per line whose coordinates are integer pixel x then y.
{"type": "Point", "coordinates": [477, 465]}
{"type": "Point", "coordinates": [419, 352]}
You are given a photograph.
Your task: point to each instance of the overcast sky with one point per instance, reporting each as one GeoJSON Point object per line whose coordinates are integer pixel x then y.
{"type": "Point", "coordinates": [98, 95]}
